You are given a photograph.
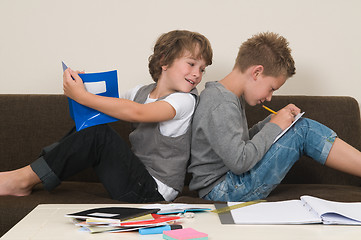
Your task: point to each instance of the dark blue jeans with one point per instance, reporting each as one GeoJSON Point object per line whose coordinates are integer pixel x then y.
{"type": "Point", "coordinates": [123, 175]}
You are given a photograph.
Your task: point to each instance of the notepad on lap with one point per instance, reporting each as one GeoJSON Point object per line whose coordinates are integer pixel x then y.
{"type": "Point", "coordinates": [284, 131]}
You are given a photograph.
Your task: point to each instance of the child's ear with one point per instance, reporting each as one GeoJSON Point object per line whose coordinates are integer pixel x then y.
{"type": "Point", "coordinates": [257, 71]}
{"type": "Point", "coordinates": [163, 65]}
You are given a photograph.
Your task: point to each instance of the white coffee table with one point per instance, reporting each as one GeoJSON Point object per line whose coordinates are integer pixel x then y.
{"type": "Point", "coordinates": [47, 221]}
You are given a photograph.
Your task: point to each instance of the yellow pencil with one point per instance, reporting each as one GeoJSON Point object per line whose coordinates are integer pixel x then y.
{"type": "Point", "coordinates": [269, 109]}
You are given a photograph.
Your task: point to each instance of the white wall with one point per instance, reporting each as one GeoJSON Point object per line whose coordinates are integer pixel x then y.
{"type": "Point", "coordinates": [101, 35]}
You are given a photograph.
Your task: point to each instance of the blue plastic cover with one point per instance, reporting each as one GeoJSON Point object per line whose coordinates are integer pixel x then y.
{"type": "Point", "coordinates": [103, 84]}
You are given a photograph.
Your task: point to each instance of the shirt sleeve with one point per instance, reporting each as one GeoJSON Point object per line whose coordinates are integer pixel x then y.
{"type": "Point", "coordinates": [230, 141]}
{"type": "Point", "coordinates": [130, 94]}
{"type": "Point", "coordinates": [258, 126]}
{"type": "Point", "coordinates": [183, 104]}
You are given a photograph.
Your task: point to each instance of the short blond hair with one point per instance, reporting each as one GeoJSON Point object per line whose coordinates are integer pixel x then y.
{"type": "Point", "coordinates": [269, 50]}
{"type": "Point", "coordinates": [172, 45]}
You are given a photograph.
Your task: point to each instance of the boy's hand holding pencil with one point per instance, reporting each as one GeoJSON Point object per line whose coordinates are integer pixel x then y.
{"type": "Point", "coordinates": [284, 117]}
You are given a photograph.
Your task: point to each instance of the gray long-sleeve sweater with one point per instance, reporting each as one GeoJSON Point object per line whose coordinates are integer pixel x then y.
{"type": "Point", "coordinates": [221, 140]}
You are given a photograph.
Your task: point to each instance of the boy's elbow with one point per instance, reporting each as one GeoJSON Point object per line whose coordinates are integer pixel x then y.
{"type": "Point", "coordinates": [236, 168]}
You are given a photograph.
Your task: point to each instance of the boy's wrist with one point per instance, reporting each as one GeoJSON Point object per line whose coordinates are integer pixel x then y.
{"type": "Point", "coordinates": [82, 97]}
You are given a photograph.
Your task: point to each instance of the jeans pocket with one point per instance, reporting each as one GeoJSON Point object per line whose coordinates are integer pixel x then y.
{"type": "Point", "coordinates": [235, 182]}
{"type": "Point", "coordinates": [231, 188]}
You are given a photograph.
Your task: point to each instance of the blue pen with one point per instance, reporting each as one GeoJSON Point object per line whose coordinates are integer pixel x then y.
{"type": "Point", "coordinates": [159, 230]}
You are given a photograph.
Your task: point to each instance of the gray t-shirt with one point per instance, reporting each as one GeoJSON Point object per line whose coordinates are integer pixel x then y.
{"type": "Point", "coordinates": [221, 140]}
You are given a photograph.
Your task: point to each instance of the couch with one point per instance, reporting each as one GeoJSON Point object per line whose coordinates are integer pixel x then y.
{"type": "Point", "coordinates": [29, 121]}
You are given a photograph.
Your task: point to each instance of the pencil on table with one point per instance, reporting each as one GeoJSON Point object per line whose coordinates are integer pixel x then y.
{"type": "Point", "coordinates": [269, 109]}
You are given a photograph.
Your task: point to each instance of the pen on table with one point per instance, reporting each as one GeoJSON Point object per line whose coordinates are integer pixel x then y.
{"type": "Point", "coordinates": [274, 112]}
{"type": "Point", "coordinates": [158, 230]}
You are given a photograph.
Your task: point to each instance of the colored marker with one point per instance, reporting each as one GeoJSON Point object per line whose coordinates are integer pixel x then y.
{"type": "Point", "coordinates": [158, 230]}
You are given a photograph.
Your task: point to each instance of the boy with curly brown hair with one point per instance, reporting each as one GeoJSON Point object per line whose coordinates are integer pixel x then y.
{"type": "Point", "coordinates": [153, 169]}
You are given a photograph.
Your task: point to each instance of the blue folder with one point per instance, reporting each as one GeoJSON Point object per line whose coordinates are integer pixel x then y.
{"type": "Point", "coordinates": [103, 84]}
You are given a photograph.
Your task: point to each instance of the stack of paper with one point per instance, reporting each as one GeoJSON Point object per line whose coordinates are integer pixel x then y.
{"type": "Point", "coordinates": [119, 219]}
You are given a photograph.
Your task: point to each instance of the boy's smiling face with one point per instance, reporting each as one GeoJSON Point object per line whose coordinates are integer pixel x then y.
{"type": "Point", "coordinates": [262, 88]}
{"type": "Point", "coordinates": [184, 74]}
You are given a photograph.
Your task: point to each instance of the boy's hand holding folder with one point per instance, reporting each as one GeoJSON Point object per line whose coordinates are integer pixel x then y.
{"type": "Point", "coordinates": [103, 84]}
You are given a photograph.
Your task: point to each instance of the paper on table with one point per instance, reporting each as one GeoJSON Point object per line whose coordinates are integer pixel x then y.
{"type": "Point", "coordinates": [307, 210]}
{"type": "Point", "coordinates": [284, 131]}
{"type": "Point", "coordinates": [284, 212]}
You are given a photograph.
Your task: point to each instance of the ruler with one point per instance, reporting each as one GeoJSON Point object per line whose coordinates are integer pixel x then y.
{"type": "Point", "coordinates": [229, 208]}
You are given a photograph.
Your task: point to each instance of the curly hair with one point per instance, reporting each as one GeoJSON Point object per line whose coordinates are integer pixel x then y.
{"type": "Point", "coordinates": [172, 45]}
{"type": "Point", "coordinates": [269, 50]}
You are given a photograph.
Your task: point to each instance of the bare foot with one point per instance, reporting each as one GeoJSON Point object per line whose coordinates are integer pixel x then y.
{"type": "Point", "coordinates": [19, 182]}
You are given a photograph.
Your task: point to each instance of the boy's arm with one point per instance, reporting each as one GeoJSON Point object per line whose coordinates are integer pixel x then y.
{"type": "Point", "coordinates": [230, 141]}
{"type": "Point", "coordinates": [119, 108]}
{"type": "Point", "coordinates": [258, 126]}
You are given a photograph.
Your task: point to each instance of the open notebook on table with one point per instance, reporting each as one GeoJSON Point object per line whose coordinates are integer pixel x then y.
{"type": "Point", "coordinates": [307, 210]}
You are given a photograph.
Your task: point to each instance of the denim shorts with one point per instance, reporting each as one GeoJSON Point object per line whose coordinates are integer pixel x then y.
{"type": "Point", "coordinates": [305, 137]}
